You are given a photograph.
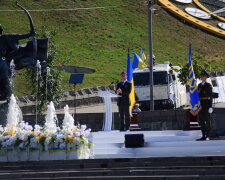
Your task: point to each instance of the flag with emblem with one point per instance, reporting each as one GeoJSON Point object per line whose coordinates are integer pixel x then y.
{"type": "Point", "coordinates": [194, 97]}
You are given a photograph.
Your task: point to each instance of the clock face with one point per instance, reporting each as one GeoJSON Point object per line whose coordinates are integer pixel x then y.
{"type": "Point", "coordinates": [221, 25]}
{"type": "Point", "coordinates": [184, 1]}
{"type": "Point", "coordinates": [197, 13]}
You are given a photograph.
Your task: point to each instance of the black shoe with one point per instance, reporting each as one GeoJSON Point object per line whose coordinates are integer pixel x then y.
{"type": "Point", "coordinates": [201, 139]}
{"type": "Point", "coordinates": [127, 128]}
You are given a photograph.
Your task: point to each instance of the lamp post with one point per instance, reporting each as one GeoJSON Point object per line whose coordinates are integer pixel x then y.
{"type": "Point", "coordinates": [150, 2]}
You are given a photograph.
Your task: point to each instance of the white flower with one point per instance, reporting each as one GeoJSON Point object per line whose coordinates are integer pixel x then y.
{"type": "Point", "coordinates": [33, 143]}
{"type": "Point", "coordinates": [83, 127]}
{"type": "Point", "coordinates": [76, 140]}
{"type": "Point", "coordinates": [47, 142]}
{"type": "Point", "coordinates": [22, 130]}
{"type": "Point", "coordinates": [37, 127]}
{"type": "Point", "coordinates": [37, 130]}
{"type": "Point", "coordinates": [77, 134]}
{"type": "Point", "coordinates": [62, 145]}
{"type": "Point", "coordinates": [1, 129]}
{"type": "Point", "coordinates": [87, 132]}
{"type": "Point", "coordinates": [21, 145]}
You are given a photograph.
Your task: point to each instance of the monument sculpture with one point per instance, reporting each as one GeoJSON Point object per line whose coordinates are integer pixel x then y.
{"type": "Point", "coordinates": [23, 56]}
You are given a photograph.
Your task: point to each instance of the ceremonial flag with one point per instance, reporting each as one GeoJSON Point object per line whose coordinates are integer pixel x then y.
{"type": "Point", "coordinates": [142, 54]}
{"type": "Point", "coordinates": [194, 97]}
{"type": "Point", "coordinates": [138, 62]}
{"type": "Point", "coordinates": [130, 79]}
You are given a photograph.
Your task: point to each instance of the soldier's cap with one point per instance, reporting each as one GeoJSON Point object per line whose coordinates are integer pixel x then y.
{"type": "Point", "coordinates": [204, 73]}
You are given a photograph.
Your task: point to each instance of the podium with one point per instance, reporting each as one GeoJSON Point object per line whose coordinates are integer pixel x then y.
{"type": "Point", "coordinates": [108, 121]}
{"type": "Point", "coordinates": [134, 122]}
{"type": "Point", "coordinates": [192, 122]}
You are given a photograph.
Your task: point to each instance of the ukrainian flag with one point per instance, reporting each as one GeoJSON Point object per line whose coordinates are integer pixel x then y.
{"type": "Point", "coordinates": [194, 97]}
{"type": "Point", "coordinates": [138, 62]}
{"type": "Point", "coordinates": [143, 57]}
{"type": "Point", "coordinates": [130, 79]}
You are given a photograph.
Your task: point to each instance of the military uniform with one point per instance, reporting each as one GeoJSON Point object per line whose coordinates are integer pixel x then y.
{"type": "Point", "coordinates": [205, 95]}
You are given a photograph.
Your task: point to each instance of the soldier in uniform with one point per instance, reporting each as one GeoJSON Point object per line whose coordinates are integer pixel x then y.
{"type": "Point", "coordinates": [205, 95]}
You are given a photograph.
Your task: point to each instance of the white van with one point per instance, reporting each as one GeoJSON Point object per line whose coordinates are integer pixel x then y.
{"type": "Point", "coordinates": [168, 92]}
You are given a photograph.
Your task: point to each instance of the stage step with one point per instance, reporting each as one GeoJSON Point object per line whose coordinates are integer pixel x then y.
{"type": "Point", "coordinates": [157, 144]}
{"type": "Point", "coordinates": [134, 127]}
{"type": "Point", "coordinates": [182, 168]}
{"type": "Point", "coordinates": [194, 126]}
{"type": "Point", "coordinates": [167, 155]}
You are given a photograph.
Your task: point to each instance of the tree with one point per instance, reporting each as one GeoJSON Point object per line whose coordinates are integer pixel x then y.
{"type": "Point", "coordinates": [198, 65]}
{"type": "Point", "coordinates": [45, 84]}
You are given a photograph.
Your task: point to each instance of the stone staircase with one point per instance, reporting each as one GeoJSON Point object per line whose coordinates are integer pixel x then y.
{"type": "Point", "coordinates": [167, 155]}
{"type": "Point", "coordinates": [151, 168]}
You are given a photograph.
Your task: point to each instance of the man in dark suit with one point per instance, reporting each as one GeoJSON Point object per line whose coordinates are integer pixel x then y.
{"type": "Point", "coordinates": [205, 95]}
{"type": "Point", "coordinates": [123, 89]}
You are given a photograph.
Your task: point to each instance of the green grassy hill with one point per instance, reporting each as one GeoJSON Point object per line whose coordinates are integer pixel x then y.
{"type": "Point", "coordinates": [99, 38]}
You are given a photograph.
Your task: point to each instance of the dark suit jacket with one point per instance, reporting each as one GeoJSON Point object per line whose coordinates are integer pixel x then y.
{"type": "Point", "coordinates": [205, 91]}
{"type": "Point", "coordinates": [126, 89]}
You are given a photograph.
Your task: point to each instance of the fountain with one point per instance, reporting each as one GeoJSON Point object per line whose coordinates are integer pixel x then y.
{"type": "Point", "coordinates": [14, 115]}
{"type": "Point", "coordinates": [68, 121]}
{"type": "Point", "coordinates": [51, 120]}
{"type": "Point", "coordinates": [46, 88]}
{"type": "Point", "coordinates": [13, 74]}
{"type": "Point", "coordinates": [38, 66]}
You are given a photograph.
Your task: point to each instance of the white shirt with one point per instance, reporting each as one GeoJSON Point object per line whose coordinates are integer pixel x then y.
{"type": "Point", "coordinates": [124, 81]}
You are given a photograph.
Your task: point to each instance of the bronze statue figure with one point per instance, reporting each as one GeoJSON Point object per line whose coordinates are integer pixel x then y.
{"type": "Point", "coordinates": [24, 56]}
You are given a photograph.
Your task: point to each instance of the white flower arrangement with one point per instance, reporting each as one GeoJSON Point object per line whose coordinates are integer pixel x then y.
{"type": "Point", "coordinates": [24, 135]}
{"type": "Point", "coordinates": [21, 136]}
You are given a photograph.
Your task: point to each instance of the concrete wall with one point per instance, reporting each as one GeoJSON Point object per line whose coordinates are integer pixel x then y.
{"type": "Point", "coordinates": [218, 121]}
{"type": "Point", "coordinates": [157, 120]}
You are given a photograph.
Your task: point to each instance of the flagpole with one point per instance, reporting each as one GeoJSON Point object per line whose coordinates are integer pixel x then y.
{"type": "Point", "coordinates": [150, 54]}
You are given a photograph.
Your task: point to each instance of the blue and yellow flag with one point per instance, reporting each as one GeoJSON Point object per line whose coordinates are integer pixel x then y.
{"type": "Point", "coordinates": [194, 97]}
{"type": "Point", "coordinates": [130, 79]}
{"type": "Point", "coordinates": [138, 62]}
{"type": "Point", "coordinates": [142, 54]}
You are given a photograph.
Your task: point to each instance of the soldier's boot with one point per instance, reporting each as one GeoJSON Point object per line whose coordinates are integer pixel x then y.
{"type": "Point", "coordinates": [203, 138]}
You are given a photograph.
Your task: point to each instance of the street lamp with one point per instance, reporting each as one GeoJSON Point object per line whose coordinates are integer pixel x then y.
{"type": "Point", "coordinates": [150, 3]}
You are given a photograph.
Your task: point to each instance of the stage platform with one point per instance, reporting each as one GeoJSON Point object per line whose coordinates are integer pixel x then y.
{"type": "Point", "coordinates": [169, 143]}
